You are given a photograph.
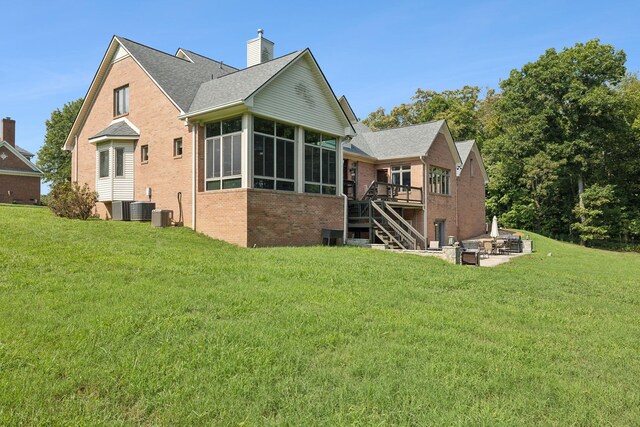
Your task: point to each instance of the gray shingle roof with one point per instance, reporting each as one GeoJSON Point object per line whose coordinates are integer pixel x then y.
{"type": "Point", "coordinates": [120, 128]}
{"type": "Point", "coordinates": [408, 141]}
{"type": "Point", "coordinates": [464, 149]}
{"type": "Point", "coordinates": [179, 78]}
{"type": "Point", "coordinates": [238, 85]}
{"type": "Point", "coordinates": [24, 152]}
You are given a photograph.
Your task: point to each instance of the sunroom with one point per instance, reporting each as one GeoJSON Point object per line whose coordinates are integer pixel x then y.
{"type": "Point", "coordinates": [250, 151]}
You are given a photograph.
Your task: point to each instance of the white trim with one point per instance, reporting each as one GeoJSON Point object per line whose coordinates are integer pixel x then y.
{"type": "Point", "coordinates": [149, 75]}
{"type": "Point", "coordinates": [20, 173]}
{"type": "Point", "coordinates": [183, 55]}
{"type": "Point", "coordinates": [96, 84]}
{"type": "Point", "coordinates": [326, 84]}
{"type": "Point", "coordinates": [246, 166]}
{"type": "Point", "coordinates": [194, 168]}
{"type": "Point", "coordinates": [211, 110]}
{"type": "Point", "coordinates": [112, 138]}
{"type": "Point", "coordinates": [15, 151]}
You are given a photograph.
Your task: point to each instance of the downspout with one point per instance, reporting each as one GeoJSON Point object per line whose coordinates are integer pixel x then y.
{"type": "Point", "coordinates": [425, 195]}
{"type": "Point", "coordinates": [194, 164]}
{"type": "Point", "coordinates": [345, 219]}
{"type": "Point", "coordinates": [75, 143]}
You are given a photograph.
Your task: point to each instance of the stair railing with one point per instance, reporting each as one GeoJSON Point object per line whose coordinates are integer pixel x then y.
{"type": "Point", "coordinates": [394, 225]}
{"type": "Point", "coordinates": [409, 228]}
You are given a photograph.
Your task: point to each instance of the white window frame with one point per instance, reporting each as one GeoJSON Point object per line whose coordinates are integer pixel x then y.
{"type": "Point", "coordinates": [177, 146]}
{"type": "Point", "coordinates": [400, 172]}
{"type": "Point", "coordinates": [121, 101]}
{"type": "Point", "coordinates": [107, 151]}
{"type": "Point", "coordinates": [115, 171]}
{"type": "Point", "coordinates": [144, 153]}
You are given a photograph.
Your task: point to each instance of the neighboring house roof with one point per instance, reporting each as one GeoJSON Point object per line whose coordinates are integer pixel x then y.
{"type": "Point", "coordinates": [179, 78]}
{"type": "Point", "coordinates": [117, 129]}
{"type": "Point", "coordinates": [403, 142]}
{"type": "Point", "coordinates": [24, 152]}
{"type": "Point", "coordinates": [238, 85]}
{"type": "Point", "coordinates": [33, 169]}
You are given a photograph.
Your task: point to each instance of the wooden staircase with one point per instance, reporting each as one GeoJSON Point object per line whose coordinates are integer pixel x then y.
{"type": "Point", "coordinates": [374, 214]}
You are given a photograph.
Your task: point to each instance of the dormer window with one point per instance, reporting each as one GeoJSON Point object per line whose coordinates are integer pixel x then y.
{"type": "Point", "coordinates": [121, 101]}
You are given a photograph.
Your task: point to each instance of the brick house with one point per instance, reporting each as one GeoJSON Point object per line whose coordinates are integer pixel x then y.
{"type": "Point", "coordinates": [413, 185]}
{"type": "Point", "coordinates": [258, 154]}
{"type": "Point", "coordinates": [19, 178]}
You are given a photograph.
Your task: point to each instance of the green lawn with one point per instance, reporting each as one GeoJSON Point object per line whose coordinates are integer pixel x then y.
{"type": "Point", "coordinates": [106, 323]}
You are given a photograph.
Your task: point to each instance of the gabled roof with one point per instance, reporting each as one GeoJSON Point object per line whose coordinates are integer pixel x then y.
{"type": "Point", "coordinates": [465, 148]}
{"type": "Point", "coordinates": [403, 142]}
{"type": "Point", "coordinates": [193, 83]}
{"type": "Point", "coordinates": [118, 129]}
{"type": "Point", "coordinates": [239, 85]}
{"type": "Point", "coordinates": [34, 170]}
{"type": "Point", "coordinates": [24, 152]}
{"type": "Point", "coordinates": [179, 78]}
{"type": "Point", "coordinates": [346, 107]}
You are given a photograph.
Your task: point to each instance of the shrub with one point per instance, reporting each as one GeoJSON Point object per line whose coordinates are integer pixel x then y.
{"type": "Point", "coordinates": [72, 201]}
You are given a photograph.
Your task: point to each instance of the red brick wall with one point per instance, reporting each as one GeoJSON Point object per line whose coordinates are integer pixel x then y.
{"type": "Point", "coordinates": [471, 200]}
{"type": "Point", "coordinates": [366, 174]}
{"type": "Point", "coordinates": [291, 219]}
{"type": "Point", "coordinates": [222, 215]}
{"type": "Point", "coordinates": [8, 131]}
{"type": "Point", "coordinates": [25, 189]}
{"type": "Point", "coordinates": [156, 117]}
{"type": "Point", "coordinates": [248, 217]}
{"type": "Point", "coordinates": [12, 161]}
{"type": "Point", "coordinates": [441, 206]}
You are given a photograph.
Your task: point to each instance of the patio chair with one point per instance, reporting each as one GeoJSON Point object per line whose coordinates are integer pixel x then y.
{"type": "Point", "coordinates": [487, 247]}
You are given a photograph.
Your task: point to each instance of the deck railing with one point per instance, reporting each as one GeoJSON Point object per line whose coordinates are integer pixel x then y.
{"type": "Point", "coordinates": [393, 192]}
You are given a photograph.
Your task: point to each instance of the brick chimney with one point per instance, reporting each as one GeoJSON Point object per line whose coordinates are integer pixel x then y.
{"type": "Point", "coordinates": [9, 131]}
{"type": "Point", "coordinates": [259, 50]}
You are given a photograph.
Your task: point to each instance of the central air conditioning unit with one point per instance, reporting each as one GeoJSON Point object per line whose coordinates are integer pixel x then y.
{"type": "Point", "coordinates": [141, 211]}
{"type": "Point", "coordinates": [120, 210]}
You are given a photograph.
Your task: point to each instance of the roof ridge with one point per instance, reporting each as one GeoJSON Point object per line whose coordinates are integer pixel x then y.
{"type": "Point", "coordinates": [406, 126]}
{"type": "Point", "coordinates": [154, 49]}
{"type": "Point", "coordinates": [257, 65]}
{"type": "Point", "coordinates": [209, 59]}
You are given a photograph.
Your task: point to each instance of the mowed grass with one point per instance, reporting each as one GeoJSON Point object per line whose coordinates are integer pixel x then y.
{"type": "Point", "coordinates": [116, 323]}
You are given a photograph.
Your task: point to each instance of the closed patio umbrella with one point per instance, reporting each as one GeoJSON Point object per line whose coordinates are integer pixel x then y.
{"type": "Point", "coordinates": [494, 228]}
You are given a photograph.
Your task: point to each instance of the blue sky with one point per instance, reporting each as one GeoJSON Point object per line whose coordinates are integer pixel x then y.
{"type": "Point", "coordinates": [376, 53]}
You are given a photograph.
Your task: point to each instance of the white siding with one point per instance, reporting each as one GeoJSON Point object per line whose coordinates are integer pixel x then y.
{"type": "Point", "coordinates": [123, 185]}
{"type": "Point", "coordinates": [115, 188]}
{"type": "Point", "coordinates": [300, 96]}
{"type": "Point", "coordinates": [104, 185]}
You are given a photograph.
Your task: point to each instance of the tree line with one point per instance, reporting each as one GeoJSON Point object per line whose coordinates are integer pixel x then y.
{"type": "Point", "coordinates": [560, 139]}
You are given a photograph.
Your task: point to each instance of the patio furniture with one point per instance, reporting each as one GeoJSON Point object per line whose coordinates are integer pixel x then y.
{"type": "Point", "coordinates": [470, 257]}
{"type": "Point", "coordinates": [487, 247]}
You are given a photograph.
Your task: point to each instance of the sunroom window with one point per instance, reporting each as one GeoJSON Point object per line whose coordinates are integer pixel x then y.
{"type": "Point", "coordinates": [274, 155]}
{"type": "Point", "coordinates": [320, 168]}
{"type": "Point", "coordinates": [223, 155]}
